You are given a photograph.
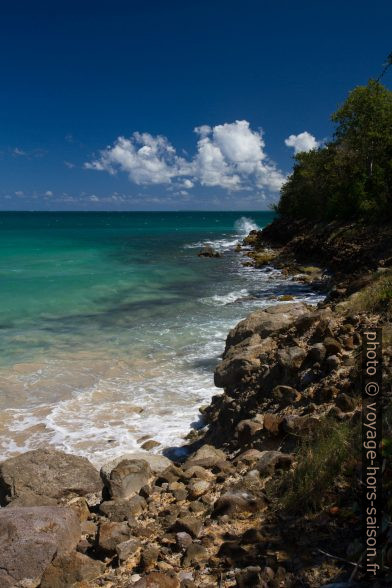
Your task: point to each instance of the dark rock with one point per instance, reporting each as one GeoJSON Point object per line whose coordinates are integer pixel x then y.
{"type": "Point", "coordinates": [209, 251]}
{"type": "Point", "coordinates": [285, 395]}
{"type": "Point", "coordinates": [333, 362]}
{"type": "Point", "coordinates": [237, 501]}
{"type": "Point", "coordinates": [183, 540]}
{"type": "Point", "coordinates": [317, 353]}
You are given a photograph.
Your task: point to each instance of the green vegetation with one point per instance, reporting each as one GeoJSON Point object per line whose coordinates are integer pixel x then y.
{"type": "Point", "coordinates": [351, 176]}
{"type": "Point", "coordinates": [376, 297]}
{"type": "Point", "coordinates": [324, 459]}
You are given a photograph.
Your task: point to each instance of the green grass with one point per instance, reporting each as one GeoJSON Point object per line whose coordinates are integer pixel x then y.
{"type": "Point", "coordinates": [322, 460]}
{"type": "Point", "coordinates": [376, 297]}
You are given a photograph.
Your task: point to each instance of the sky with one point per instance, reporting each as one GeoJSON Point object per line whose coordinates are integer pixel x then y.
{"type": "Point", "coordinates": [173, 105]}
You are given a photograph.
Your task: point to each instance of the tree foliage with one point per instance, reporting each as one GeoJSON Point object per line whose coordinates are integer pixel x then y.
{"type": "Point", "coordinates": [351, 176]}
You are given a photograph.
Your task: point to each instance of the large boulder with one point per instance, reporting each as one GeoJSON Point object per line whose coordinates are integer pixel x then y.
{"type": "Point", "coordinates": [209, 251]}
{"type": "Point", "coordinates": [266, 321]}
{"type": "Point", "coordinates": [30, 537]}
{"type": "Point", "coordinates": [70, 569]}
{"type": "Point", "coordinates": [47, 473]}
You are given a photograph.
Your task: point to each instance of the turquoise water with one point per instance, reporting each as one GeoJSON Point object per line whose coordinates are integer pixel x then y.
{"type": "Point", "coordinates": [111, 325]}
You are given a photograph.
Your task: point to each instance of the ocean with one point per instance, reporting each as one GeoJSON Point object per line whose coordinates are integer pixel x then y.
{"type": "Point", "coordinates": [111, 325]}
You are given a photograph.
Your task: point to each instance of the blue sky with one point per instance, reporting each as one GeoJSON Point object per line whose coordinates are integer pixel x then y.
{"type": "Point", "coordinates": [100, 100]}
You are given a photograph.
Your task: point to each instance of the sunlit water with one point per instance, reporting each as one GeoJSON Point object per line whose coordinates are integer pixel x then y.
{"type": "Point", "coordinates": [111, 325]}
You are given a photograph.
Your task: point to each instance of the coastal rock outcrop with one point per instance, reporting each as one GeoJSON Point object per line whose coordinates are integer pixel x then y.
{"type": "Point", "coordinates": [209, 251]}
{"type": "Point", "coordinates": [47, 476]}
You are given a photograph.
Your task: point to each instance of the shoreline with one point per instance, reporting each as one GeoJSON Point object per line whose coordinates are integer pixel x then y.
{"type": "Point", "coordinates": [228, 513]}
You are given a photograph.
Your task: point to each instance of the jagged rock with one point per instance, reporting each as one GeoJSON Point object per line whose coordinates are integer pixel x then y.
{"type": "Point", "coordinates": [47, 473]}
{"type": "Point", "coordinates": [127, 478]}
{"type": "Point", "coordinates": [123, 509]}
{"type": "Point", "coordinates": [273, 460]}
{"type": "Point", "coordinates": [209, 251]}
{"type": "Point", "coordinates": [30, 537]}
{"type": "Point", "coordinates": [250, 456]}
{"type": "Point", "coordinates": [150, 444]}
{"type": "Point", "coordinates": [67, 570]}
{"type": "Point", "coordinates": [265, 322]}
{"type": "Point", "coordinates": [194, 471]}
{"type": "Point", "coordinates": [111, 534]}
{"type": "Point", "coordinates": [80, 506]}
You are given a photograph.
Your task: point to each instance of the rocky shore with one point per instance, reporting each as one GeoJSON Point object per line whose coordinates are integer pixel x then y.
{"type": "Point", "coordinates": [269, 495]}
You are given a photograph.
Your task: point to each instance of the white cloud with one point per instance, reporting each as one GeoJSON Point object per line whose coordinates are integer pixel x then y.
{"type": "Point", "coordinates": [230, 156]}
{"type": "Point", "coordinates": [69, 164]}
{"type": "Point", "coordinates": [19, 193]}
{"type": "Point", "coordinates": [16, 152]}
{"type": "Point", "coordinates": [49, 193]}
{"type": "Point", "coordinates": [302, 142]}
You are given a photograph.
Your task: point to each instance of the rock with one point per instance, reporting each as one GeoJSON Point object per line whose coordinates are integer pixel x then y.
{"type": "Point", "coordinates": [273, 460]}
{"type": "Point", "coordinates": [236, 501]}
{"type": "Point", "coordinates": [206, 452]}
{"type": "Point", "coordinates": [317, 353]}
{"type": "Point", "coordinates": [123, 509]}
{"type": "Point", "coordinates": [333, 362]}
{"type": "Point", "coordinates": [272, 422]}
{"type": "Point", "coordinates": [30, 537]}
{"type": "Point", "coordinates": [195, 554]}
{"type": "Point", "coordinates": [158, 580]}
{"type": "Point", "coordinates": [150, 444]}
{"type": "Point", "coordinates": [157, 463]}
{"type": "Point", "coordinates": [47, 473]}
{"type": "Point", "coordinates": [285, 395]}
{"type": "Point", "coordinates": [250, 456]}
{"type": "Point", "coordinates": [111, 534]}
{"type": "Point", "coordinates": [127, 478]}
{"type": "Point", "coordinates": [129, 549]}
{"type": "Point", "coordinates": [247, 430]}
{"type": "Point", "coordinates": [197, 488]}
{"type": "Point", "coordinates": [188, 524]}
{"type": "Point", "coordinates": [266, 321]}
{"type": "Point", "coordinates": [67, 570]}
{"type": "Point", "coordinates": [332, 346]}
{"type": "Point", "coordinates": [195, 471]}
{"type": "Point", "coordinates": [209, 251]}
{"type": "Point", "coordinates": [291, 358]}
{"type": "Point", "coordinates": [80, 506]}
{"type": "Point", "coordinates": [183, 540]}
{"type": "Point", "coordinates": [345, 402]}
{"type": "Point", "coordinates": [150, 556]}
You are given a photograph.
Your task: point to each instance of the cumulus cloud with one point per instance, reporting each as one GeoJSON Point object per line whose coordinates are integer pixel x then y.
{"type": "Point", "coordinates": [49, 193]}
{"type": "Point", "coordinates": [230, 156]}
{"type": "Point", "coordinates": [302, 142]}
